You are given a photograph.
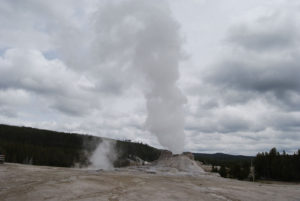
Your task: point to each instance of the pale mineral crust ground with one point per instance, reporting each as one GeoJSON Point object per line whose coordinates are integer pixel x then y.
{"type": "Point", "coordinates": [26, 182]}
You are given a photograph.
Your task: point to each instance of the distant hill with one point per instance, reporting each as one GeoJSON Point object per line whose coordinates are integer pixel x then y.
{"type": "Point", "coordinates": [221, 159]}
{"type": "Point", "coordinates": [45, 147]}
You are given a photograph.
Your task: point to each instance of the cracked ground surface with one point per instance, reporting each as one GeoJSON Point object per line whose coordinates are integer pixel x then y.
{"type": "Point", "coordinates": [26, 182]}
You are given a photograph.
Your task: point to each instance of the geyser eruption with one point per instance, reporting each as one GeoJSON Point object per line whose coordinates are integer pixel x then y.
{"type": "Point", "coordinates": [141, 36]}
{"type": "Point", "coordinates": [157, 57]}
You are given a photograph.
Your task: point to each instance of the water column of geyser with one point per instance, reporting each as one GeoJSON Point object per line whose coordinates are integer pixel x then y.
{"type": "Point", "coordinates": [157, 56]}
{"type": "Point", "coordinates": [143, 34]}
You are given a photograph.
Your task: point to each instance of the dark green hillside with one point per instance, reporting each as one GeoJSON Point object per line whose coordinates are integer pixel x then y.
{"type": "Point", "coordinates": [44, 147]}
{"type": "Point", "coordinates": [143, 151]}
{"type": "Point", "coordinates": [222, 159]}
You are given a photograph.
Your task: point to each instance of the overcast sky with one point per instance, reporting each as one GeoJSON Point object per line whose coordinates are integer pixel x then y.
{"type": "Point", "coordinates": [239, 70]}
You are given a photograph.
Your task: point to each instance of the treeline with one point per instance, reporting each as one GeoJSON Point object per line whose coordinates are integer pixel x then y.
{"type": "Point", "coordinates": [44, 147]}
{"type": "Point", "coordinates": [219, 159]}
{"type": "Point", "coordinates": [276, 166]}
{"type": "Point", "coordinates": [266, 166]}
{"type": "Point", "coordinates": [239, 171]}
{"type": "Point", "coordinates": [228, 166]}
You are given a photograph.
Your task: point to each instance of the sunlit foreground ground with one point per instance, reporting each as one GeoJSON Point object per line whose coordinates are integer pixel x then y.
{"type": "Point", "coordinates": [25, 182]}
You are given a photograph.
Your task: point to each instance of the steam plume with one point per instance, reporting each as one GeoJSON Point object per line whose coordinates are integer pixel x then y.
{"type": "Point", "coordinates": [142, 36]}
{"type": "Point", "coordinates": [104, 156]}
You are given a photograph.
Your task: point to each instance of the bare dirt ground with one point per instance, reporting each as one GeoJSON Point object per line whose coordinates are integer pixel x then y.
{"type": "Point", "coordinates": [25, 182]}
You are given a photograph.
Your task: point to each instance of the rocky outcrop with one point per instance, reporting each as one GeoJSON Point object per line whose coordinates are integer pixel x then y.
{"type": "Point", "coordinates": [165, 154]}
{"type": "Point", "coordinates": [190, 155]}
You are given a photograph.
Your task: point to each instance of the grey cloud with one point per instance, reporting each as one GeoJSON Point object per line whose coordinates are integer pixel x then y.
{"type": "Point", "coordinates": [276, 31]}
{"type": "Point", "coordinates": [28, 70]}
{"type": "Point", "coordinates": [266, 41]}
{"type": "Point", "coordinates": [256, 85]}
{"type": "Point", "coordinates": [285, 121]}
{"type": "Point", "coordinates": [268, 65]}
{"type": "Point", "coordinates": [260, 77]}
{"type": "Point", "coordinates": [249, 97]}
{"type": "Point", "coordinates": [11, 100]}
{"type": "Point", "coordinates": [288, 100]}
{"type": "Point", "coordinates": [8, 112]}
{"type": "Point", "coordinates": [248, 143]}
{"type": "Point", "coordinates": [73, 106]}
{"type": "Point", "coordinates": [222, 123]}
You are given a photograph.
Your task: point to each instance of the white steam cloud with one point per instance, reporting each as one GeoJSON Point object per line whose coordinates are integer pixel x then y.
{"type": "Point", "coordinates": [104, 156]}
{"type": "Point", "coordinates": [141, 37]}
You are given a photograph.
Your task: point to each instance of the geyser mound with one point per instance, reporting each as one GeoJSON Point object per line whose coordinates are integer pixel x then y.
{"type": "Point", "coordinates": [177, 163]}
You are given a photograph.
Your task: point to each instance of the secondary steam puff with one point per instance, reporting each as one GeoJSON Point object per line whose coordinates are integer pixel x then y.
{"type": "Point", "coordinates": [104, 156]}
